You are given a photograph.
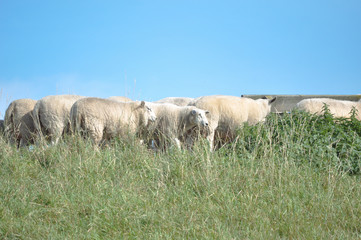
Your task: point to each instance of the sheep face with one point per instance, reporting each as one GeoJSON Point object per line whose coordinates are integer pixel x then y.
{"type": "Point", "coordinates": [266, 107]}
{"type": "Point", "coordinates": [146, 114]}
{"type": "Point", "coordinates": [198, 117]}
{"type": "Point", "coordinates": [151, 115]}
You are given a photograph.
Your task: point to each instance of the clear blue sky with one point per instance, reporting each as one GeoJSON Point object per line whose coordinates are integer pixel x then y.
{"type": "Point", "coordinates": [153, 49]}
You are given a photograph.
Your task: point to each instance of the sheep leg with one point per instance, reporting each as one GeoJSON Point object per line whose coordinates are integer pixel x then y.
{"type": "Point", "coordinates": [95, 134]}
{"type": "Point", "coordinates": [210, 139]}
{"type": "Point", "coordinates": [210, 133]}
{"type": "Point", "coordinates": [54, 137]}
{"type": "Point", "coordinates": [177, 143]}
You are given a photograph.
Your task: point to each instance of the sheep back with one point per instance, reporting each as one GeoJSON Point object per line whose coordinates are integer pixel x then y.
{"type": "Point", "coordinates": [102, 119]}
{"type": "Point", "coordinates": [179, 101]}
{"type": "Point", "coordinates": [338, 108]}
{"type": "Point", "coordinates": [120, 99]}
{"type": "Point", "coordinates": [51, 115]}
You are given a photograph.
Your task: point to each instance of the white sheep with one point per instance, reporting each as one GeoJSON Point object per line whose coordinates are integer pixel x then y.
{"type": "Point", "coordinates": [179, 101]}
{"type": "Point", "coordinates": [103, 119]}
{"type": "Point", "coordinates": [51, 116]}
{"type": "Point", "coordinates": [338, 108]}
{"type": "Point", "coordinates": [173, 123]}
{"type": "Point", "coordinates": [18, 122]}
{"type": "Point", "coordinates": [228, 113]}
{"type": "Point", "coordinates": [120, 99]}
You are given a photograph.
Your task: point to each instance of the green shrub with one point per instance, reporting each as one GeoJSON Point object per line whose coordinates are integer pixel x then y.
{"type": "Point", "coordinates": [322, 141]}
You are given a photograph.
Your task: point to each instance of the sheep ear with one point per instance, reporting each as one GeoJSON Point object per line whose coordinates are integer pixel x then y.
{"type": "Point", "coordinates": [193, 112]}
{"type": "Point", "coordinates": [267, 97]}
{"type": "Point", "coordinates": [272, 100]}
{"type": "Point", "coordinates": [142, 104]}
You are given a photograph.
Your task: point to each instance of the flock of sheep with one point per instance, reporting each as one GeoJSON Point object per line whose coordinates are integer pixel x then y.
{"type": "Point", "coordinates": [171, 121]}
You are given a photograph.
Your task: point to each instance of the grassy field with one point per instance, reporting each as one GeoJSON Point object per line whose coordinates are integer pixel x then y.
{"type": "Point", "coordinates": [295, 177]}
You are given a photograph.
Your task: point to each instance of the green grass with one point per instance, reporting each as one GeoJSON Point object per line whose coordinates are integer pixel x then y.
{"type": "Point", "coordinates": [295, 177]}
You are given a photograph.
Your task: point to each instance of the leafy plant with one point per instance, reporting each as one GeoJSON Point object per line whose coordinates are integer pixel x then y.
{"type": "Point", "coordinates": [321, 140]}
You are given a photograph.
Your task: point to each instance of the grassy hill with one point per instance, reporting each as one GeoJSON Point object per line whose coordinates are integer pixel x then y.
{"type": "Point", "coordinates": [296, 176]}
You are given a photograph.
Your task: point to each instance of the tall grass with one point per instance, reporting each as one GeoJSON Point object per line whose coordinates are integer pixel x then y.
{"type": "Point", "coordinates": [296, 176]}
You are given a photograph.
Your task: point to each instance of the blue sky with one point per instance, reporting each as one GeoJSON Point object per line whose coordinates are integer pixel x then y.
{"type": "Point", "coordinates": [153, 49]}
